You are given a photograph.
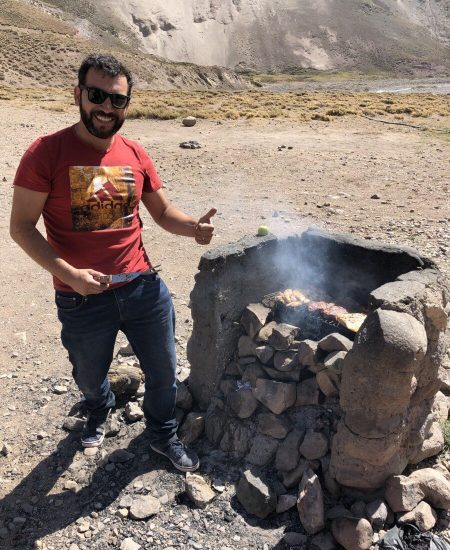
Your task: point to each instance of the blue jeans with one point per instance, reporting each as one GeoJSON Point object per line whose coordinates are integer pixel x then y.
{"type": "Point", "coordinates": [143, 311]}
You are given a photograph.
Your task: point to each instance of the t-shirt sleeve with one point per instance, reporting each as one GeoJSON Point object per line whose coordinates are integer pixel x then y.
{"type": "Point", "coordinates": [34, 171]}
{"type": "Point", "coordinates": [152, 181]}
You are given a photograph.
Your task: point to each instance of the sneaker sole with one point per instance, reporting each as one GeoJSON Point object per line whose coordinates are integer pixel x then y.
{"type": "Point", "coordinates": [177, 466]}
{"type": "Point", "coordinates": [88, 445]}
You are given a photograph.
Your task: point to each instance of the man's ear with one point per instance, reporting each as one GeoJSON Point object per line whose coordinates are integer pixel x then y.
{"type": "Point", "coordinates": [77, 95]}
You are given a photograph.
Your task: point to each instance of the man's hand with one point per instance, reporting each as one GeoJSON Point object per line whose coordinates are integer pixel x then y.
{"type": "Point", "coordinates": [84, 282]}
{"type": "Point", "coordinates": [204, 229]}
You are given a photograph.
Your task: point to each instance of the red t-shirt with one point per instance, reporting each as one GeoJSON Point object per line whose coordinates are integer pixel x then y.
{"type": "Point", "coordinates": [92, 211]}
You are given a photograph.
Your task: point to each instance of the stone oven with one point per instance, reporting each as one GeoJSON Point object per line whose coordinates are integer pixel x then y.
{"type": "Point", "coordinates": [356, 405]}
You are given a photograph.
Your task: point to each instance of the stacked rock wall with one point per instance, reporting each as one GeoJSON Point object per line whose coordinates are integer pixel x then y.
{"type": "Point", "coordinates": [233, 276]}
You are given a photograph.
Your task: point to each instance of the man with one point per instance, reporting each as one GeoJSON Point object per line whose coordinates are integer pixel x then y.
{"type": "Point", "coordinates": [87, 181]}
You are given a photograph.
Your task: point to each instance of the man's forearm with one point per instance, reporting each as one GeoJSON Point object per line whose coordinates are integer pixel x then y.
{"type": "Point", "coordinates": [175, 221]}
{"type": "Point", "coordinates": [31, 240]}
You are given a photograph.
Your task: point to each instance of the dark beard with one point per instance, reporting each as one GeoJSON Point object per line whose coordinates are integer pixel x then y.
{"type": "Point", "coordinates": [88, 121]}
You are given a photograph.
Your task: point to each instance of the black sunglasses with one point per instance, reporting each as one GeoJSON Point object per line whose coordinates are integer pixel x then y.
{"type": "Point", "coordinates": [97, 96]}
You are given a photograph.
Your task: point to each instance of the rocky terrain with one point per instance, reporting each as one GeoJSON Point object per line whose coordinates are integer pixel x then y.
{"type": "Point", "coordinates": [372, 180]}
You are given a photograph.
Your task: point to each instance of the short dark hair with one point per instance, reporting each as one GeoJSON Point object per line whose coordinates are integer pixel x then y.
{"type": "Point", "coordinates": [106, 64]}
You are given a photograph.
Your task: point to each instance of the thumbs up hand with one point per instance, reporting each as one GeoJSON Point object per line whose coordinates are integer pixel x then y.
{"type": "Point", "coordinates": [204, 229]}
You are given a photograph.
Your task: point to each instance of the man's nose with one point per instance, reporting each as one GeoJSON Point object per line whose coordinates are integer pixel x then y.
{"type": "Point", "coordinates": [107, 105]}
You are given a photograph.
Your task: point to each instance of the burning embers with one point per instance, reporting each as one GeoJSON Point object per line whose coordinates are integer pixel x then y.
{"type": "Point", "coordinates": [315, 313]}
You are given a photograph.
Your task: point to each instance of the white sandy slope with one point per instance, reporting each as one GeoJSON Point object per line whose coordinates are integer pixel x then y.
{"type": "Point", "coordinates": [274, 34]}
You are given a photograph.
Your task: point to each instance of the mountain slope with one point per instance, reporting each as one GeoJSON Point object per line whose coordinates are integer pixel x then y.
{"type": "Point", "coordinates": [286, 34]}
{"type": "Point", "coordinates": [42, 44]}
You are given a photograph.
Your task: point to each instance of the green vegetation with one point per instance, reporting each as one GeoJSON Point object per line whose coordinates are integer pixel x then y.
{"type": "Point", "coordinates": [445, 424]}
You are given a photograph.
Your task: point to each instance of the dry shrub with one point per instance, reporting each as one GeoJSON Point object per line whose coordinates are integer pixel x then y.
{"type": "Point", "coordinates": [323, 118]}
{"type": "Point", "coordinates": [336, 112]}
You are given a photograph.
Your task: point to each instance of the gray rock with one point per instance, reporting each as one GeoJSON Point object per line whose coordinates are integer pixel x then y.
{"type": "Point", "coordinates": [126, 501]}
{"type": "Point", "coordinates": [285, 361]}
{"type": "Point", "coordinates": [397, 293]}
{"type": "Point", "coordinates": [275, 426]}
{"type": "Point", "coordinates": [199, 491]}
{"type": "Point", "coordinates": [73, 424]}
{"type": "Point", "coordinates": [191, 144]}
{"type": "Point", "coordinates": [264, 354]}
{"type": "Point", "coordinates": [283, 336]}
{"type": "Point", "coordinates": [338, 511]}
{"type": "Point", "coordinates": [335, 342]}
{"type": "Point", "coordinates": [242, 402]}
{"type": "Point", "coordinates": [246, 347]}
{"type": "Point", "coordinates": [352, 533]}
{"type": "Point", "coordinates": [432, 445]}
{"type": "Point", "coordinates": [236, 438]}
{"type": "Point", "coordinates": [129, 544]}
{"type": "Point", "coordinates": [60, 390]}
{"type": "Point", "coordinates": [72, 486]}
{"type": "Point", "coordinates": [288, 454]}
{"type": "Point", "coordinates": [314, 445]}
{"type": "Point", "coordinates": [144, 507]}
{"type": "Point", "coordinates": [276, 396]}
{"type": "Point", "coordinates": [184, 397]}
{"type": "Point", "coordinates": [279, 376]}
{"type": "Point", "coordinates": [423, 516]}
{"type": "Point", "coordinates": [404, 493]}
{"type": "Point", "coordinates": [252, 372]}
{"type": "Point", "coordinates": [323, 541]}
{"type": "Point", "coordinates": [120, 456]}
{"type": "Point", "coordinates": [291, 478]}
{"type": "Point", "coordinates": [334, 360]}
{"type": "Point", "coordinates": [291, 538]}
{"type": "Point", "coordinates": [377, 513]}
{"type": "Point", "coordinates": [307, 393]}
{"type": "Point", "coordinates": [189, 121]}
{"type": "Point", "coordinates": [307, 353]}
{"type": "Point", "coordinates": [126, 350]}
{"type": "Point", "coordinates": [133, 411]}
{"type": "Point", "coordinates": [192, 427]}
{"type": "Point", "coordinates": [327, 383]}
{"type": "Point", "coordinates": [358, 509]}
{"type": "Point", "coordinates": [285, 502]}
{"type": "Point", "coordinates": [214, 425]}
{"type": "Point", "coordinates": [254, 318]}
{"type": "Point", "coordinates": [266, 331]}
{"type": "Point", "coordinates": [310, 503]}
{"type": "Point", "coordinates": [112, 426]}
{"type": "Point", "coordinates": [262, 450]}
{"type": "Point", "coordinates": [255, 495]}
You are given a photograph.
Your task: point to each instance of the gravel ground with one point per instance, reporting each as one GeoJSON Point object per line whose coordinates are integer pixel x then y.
{"type": "Point", "coordinates": [352, 175]}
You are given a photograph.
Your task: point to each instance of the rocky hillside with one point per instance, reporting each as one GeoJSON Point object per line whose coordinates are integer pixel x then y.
{"type": "Point", "coordinates": [274, 35]}
{"type": "Point", "coordinates": [43, 45]}
{"type": "Point", "coordinates": [168, 43]}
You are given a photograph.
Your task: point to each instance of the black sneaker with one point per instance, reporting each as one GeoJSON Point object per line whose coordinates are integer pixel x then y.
{"type": "Point", "coordinates": [182, 458]}
{"type": "Point", "coordinates": [94, 429]}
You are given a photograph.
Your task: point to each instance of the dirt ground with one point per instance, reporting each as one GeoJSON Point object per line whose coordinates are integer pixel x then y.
{"type": "Point", "coordinates": [352, 175]}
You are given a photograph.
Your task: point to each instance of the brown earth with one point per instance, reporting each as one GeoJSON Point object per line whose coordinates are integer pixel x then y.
{"type": "Point", "coordinates": [328, 174]}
